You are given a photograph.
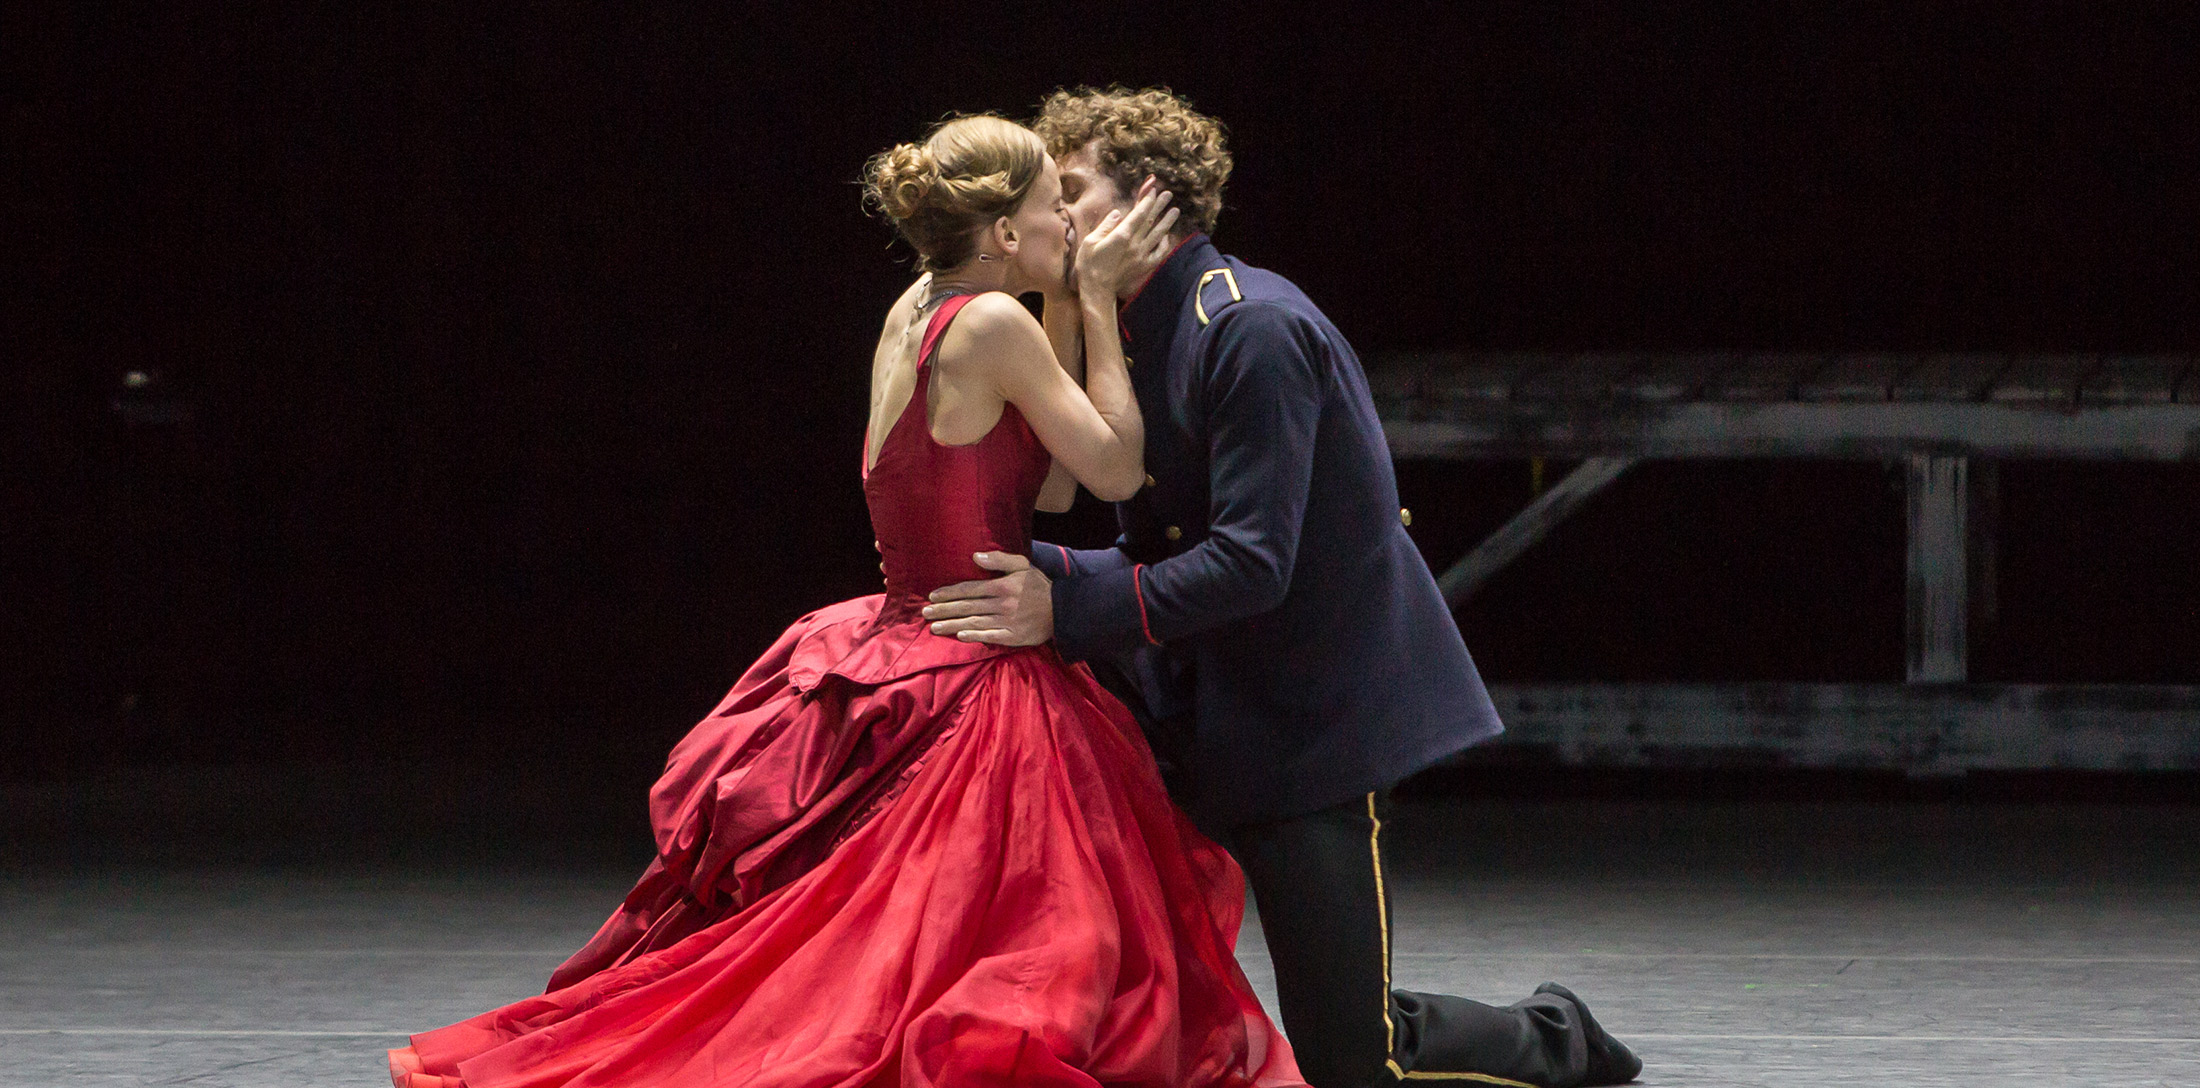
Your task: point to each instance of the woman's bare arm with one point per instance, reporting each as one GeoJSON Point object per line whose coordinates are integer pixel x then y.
{"type": "Point", "coordinates": [1065, 334]}
{"type": "Point", "coordinates": [1096, 434]}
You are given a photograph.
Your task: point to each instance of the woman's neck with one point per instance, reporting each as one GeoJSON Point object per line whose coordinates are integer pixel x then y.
{"type": "Point", "coordinates": [972, 277]}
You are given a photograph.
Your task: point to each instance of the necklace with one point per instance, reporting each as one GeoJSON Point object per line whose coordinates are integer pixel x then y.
{"type": "Point", "coordinates": [928, 298]}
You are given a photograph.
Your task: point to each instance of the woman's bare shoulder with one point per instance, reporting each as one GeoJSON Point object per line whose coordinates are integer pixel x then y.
{"type": "Point", "coordinates": [997, 312]}
{"type": "Point", "coordinates": [995, 329]}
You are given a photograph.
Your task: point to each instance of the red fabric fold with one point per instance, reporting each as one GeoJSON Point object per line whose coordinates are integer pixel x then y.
{"type": "Point", "coordinates": [1029, 909]}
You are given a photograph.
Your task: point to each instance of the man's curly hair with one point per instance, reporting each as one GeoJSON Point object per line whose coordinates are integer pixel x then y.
{"type": "Point", "coordinates": [1151, 131]}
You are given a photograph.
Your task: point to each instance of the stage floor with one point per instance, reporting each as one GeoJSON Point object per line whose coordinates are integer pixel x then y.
{"type": "Point", "coordinates": [1731, 944]}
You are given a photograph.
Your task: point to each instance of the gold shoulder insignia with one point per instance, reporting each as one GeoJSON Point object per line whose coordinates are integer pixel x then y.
{"type": "Point", "coordinates": [1199, 294]}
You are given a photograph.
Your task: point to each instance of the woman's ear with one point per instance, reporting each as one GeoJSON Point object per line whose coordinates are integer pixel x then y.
{"type": "Point", "coordinates": [1004, 235]}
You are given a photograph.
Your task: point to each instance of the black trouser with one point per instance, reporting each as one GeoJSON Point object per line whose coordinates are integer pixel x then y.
{"type": "Point", "coordinates": [1318, 883]}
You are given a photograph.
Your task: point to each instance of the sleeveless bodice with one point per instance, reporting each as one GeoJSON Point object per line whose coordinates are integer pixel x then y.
{"type": "Point", "coordinates": [933, 506]}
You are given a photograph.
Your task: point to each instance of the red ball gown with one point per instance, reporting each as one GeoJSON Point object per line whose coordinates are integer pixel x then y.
{"type": "Point", "coordinates": [892, 858]}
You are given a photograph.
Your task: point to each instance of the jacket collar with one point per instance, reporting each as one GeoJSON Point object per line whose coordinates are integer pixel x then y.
{"type": "Point", "coordinates": [1150, 316]}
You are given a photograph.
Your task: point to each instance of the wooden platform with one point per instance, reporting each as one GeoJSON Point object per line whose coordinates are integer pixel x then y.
{"type": "Point", "coordinates": [1949, 419]}
{"type": "Point", "coordinates": [1864, 406]}
{"type": "Point", "coordinates": [1923, 729]}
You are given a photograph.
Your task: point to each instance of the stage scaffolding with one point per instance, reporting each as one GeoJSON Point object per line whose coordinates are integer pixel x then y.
{"type": "Point", "coordinates": [1948, 418]}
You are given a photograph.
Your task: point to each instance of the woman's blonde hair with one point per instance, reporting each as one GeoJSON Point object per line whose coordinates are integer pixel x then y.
{"type": "Point", "coordinates": [941, 193]}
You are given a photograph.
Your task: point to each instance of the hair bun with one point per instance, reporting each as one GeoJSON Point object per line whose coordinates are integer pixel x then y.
{"type": "Point", "coordinates": [901, 178]}
{"type": "Point", "coordinates": [941, 193]}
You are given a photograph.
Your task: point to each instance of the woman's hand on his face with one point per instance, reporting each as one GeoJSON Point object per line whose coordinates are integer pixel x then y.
{"type": "Point", "coordinates": [1123, 249]}
{"type": "Point", "coordinates": [1067, 289]}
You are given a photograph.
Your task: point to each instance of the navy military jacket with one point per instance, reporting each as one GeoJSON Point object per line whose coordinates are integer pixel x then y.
{"type": "Point", "coordinates": [1264, 592]}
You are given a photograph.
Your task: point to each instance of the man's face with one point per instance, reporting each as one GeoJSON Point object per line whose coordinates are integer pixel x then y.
{"type": "Point", "coordinates": [1088, 193]}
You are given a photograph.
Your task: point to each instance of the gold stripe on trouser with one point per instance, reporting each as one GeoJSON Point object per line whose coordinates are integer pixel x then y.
{"type": "Point", "coordinates": [1390, 1027]}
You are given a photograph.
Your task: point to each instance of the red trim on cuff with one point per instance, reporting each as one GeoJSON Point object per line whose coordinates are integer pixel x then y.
{"type": "Point", "coordinates": [1069, 565]}
{"type": "Point", "coordinates": [1138, 589]}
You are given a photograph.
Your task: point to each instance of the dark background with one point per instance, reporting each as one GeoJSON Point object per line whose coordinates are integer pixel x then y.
{"type": "Point", "coordinates": [506, 365]}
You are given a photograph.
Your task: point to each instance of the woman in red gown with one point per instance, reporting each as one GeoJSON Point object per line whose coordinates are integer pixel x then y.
{"type": "Point", "coordinates": [895, 858]}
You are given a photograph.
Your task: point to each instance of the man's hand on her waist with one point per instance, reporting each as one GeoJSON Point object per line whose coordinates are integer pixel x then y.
{"type": "Point", "coordinates": [1015, 609]}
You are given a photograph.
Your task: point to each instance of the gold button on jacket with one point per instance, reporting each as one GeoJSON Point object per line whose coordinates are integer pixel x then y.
{"type": "Point", "coordinates": [1173, 533]}
{"type": "Point", "coordinates": [1405, 517]}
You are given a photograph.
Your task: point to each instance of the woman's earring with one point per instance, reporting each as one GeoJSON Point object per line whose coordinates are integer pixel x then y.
{"type": "Point", "coordinates": [986, 257]}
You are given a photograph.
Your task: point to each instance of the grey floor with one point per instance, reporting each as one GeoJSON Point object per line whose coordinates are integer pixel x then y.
{"type": "Point", "coordinates": [1733, 944]}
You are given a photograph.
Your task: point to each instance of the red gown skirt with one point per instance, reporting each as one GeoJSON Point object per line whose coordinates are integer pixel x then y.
{"type": "Point", "coordinates": [890, 858]}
